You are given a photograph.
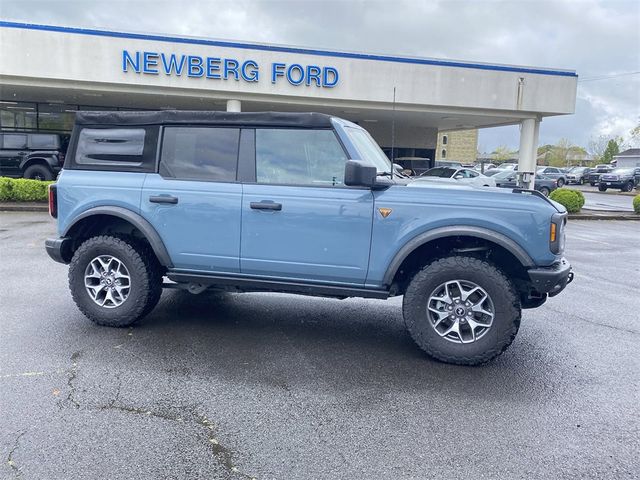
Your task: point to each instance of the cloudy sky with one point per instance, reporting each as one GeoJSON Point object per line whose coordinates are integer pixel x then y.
{"type": "Point", "coordinates": [598, 39]}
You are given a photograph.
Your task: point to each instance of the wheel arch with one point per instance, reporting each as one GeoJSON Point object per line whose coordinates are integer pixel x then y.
{"type": "Point", "coordinates": [97, 219]}
{"type": "Point", "coordinates": [451, 234]}
{"type": "Point", "coordinates": [39, 160]}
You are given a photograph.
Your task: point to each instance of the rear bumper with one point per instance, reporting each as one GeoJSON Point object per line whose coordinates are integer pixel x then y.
{"type": "Point", "coordinates": [553, 279]}
{"type": "Point", "coordinates": [59, 249]}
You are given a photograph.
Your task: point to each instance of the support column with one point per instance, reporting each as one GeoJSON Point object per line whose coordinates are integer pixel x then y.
{"type": "Point", "coordinates": [529, 132]}
{"type": "Point", "coordinates": [234, 106]}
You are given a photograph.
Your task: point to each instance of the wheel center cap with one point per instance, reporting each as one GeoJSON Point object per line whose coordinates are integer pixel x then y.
{"type": "Point", "coordinates": [460, 311]}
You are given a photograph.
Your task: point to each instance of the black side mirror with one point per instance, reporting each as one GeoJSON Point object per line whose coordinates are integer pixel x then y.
{"type": "Point", "coordinates": [359, 174]}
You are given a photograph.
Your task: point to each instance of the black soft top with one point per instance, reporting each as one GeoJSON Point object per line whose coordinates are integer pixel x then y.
{"type": "Point", "coordinates": [163, 117]}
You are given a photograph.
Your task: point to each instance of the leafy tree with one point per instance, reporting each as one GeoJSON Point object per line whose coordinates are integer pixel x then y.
{"type": "Point", "coordinates": [613, 148]}
{"type": "Point", "coordinates": [502, 153]}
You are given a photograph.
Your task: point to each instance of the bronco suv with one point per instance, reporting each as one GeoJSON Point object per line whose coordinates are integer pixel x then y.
{"type": "Point", "coordinates": [301, 203]}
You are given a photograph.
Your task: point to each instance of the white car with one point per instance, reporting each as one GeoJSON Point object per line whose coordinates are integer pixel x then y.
{"type": "Point", "coordinates": [462, 175]}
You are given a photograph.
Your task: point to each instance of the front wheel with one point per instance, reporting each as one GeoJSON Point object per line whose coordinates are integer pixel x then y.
{"type": "Point", "coordinates": [461, 310]}
{"type": "Point", "coordinates": [628, 187]}
{"type": "Point", "coordinates": [114, 281]}
{"type": "Point", "coordinates": [581, 181]}
{"type": "Point", "coordinates": [602, 188]}
{"type": "Point", "coordinates": [560, 182]}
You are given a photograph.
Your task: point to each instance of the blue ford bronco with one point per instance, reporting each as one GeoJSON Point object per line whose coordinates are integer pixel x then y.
{"type": "Point", "coordinates": [300, 203]}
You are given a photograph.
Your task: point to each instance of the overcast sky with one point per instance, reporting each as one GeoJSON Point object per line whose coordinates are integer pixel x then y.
{"type": "Point", "coordinates": [598, 39]}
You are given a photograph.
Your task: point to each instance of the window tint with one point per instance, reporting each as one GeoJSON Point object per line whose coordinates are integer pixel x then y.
{"type": "Point", "coordinates": [14, 141]}
{"type": "Point", "coordinates": [200, 153]}
{"type": "Point", "coordinates": [49, 142]}
{"type": "Point", "coordinates": [301, 157]}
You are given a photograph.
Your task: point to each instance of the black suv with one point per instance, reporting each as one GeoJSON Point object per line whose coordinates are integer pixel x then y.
{"type": "Point", "coordinates": [38, 156]}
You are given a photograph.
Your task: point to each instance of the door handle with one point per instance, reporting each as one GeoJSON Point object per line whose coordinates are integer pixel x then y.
{"type": "Point", "coordinates": [163, 199]}
{"type": "Point", "coordinates": [266, 205]}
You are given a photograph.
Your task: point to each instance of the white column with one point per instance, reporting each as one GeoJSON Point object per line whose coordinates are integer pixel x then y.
{"type": "Point", "coordinates": [529, 131]}
{"type": "Point", "coordinates": [234, 106]}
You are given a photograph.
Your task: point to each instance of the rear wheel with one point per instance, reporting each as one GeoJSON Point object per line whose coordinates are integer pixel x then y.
{"type": "Point", "coordinates": [544, 191]}
{"type": "Point", "coordinates": [602, 188]}
{"type": "Point", "coordinates": [38, 172]}
{"type": "Point", "coordinates": [114, 281]}
{"type": "Point", "coordinates": [560, 182]}
{"type": "Point", "coordinates": [461, 310]}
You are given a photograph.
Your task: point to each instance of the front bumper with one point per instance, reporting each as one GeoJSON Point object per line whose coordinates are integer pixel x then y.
{"type": "Point", "coordinates": [553, 279]}
{"type": "Point", "coordinates": [59, 249]}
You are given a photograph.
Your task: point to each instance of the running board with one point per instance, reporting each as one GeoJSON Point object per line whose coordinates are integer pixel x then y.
{"type": "Point", "coordinates": [282, 286]}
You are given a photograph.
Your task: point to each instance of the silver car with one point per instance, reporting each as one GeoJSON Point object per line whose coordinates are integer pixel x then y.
{"type": "Point", "coordinates": [462, 175]}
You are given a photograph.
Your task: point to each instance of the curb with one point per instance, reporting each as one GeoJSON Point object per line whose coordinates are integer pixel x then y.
{"type": "Point", "coordinates": [604, 215]}
{"type": "Point", "coordinates": [24, 207]}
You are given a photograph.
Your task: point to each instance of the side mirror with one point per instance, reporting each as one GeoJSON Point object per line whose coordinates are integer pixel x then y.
{"type": "Point", "coordinates": [359, 174]}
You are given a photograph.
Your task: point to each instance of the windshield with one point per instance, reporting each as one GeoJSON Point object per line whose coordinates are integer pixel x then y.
{"type": "Point", "coordinates": [442, 172]}
{"type": "Point", "coordinates": [368, 149]}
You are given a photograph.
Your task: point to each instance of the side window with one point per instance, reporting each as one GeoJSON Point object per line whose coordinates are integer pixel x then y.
{"type": "Point", "coordinates": [122, 148]}
{"type": "Point", "coordinates": [200, 153]}
{"type": "Point", "coordinates": [14, 141]}
{"type": "Point", "coordinates": [48, 142]}
{"type": "Point", "coordinates": [300, 157]}
{"type": "Point", "coordinates": [472, 174]}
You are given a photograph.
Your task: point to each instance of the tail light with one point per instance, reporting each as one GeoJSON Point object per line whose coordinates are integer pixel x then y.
{"type": "Point", "coordinates": [53, 201]}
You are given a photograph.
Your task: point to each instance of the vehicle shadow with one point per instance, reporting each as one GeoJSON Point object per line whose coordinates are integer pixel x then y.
{"type": "Point", "coordinates": [333, 346]}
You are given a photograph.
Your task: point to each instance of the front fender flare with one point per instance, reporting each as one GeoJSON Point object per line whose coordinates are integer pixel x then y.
{"type": "Point", "coordinates": [137, 221]}
{"type": "Point", "coordinates": [453, 231]}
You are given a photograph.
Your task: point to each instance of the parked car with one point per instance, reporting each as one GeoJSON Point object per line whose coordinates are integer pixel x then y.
{"type": "Point", "coordinates": [486, 166]}
{"type": "Point", "coordinates": [38, 156]}
{"type": "Point", "coordinates": [544, 185]}
{"type": "Point", "coordinates": [276, 202]}
{"type": "Point", "coordinates": [414, 165]}
{"type": "Point", "coordinates": [578, 175]}
{"type": "Point", "coordinates": [594, 175]}
{"type": "Point", "coordinates": [553, 172]}
{"type": "Point", "coordinates": [462, 175]}
{"type": "Point", "coordinates": [624, 178]}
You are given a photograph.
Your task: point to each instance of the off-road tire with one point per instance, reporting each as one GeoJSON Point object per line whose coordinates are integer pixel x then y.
{"type": "Point", "coordinates": [146, 280]}
{"type": "Point", "coordinates": [38, 172]}
{"type": "Point", "coordinates": [505, 324]}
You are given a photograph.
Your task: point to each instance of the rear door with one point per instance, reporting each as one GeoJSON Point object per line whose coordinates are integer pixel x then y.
{"type": "Point", "coordinates": [299, 221]}
{"type": "Point", "coordinates": [14, 149]}
{"type": "Point", "coordinates": [194, 201]}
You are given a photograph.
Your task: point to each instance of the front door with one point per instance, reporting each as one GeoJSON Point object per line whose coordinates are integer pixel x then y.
{"type": "Point", "coordinates": [299, 221]}
{"type": "Point", "coordinates": [194, 201]}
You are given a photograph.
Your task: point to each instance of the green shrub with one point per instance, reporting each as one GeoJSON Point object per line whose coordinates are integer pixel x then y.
{"type": "Point", "coordinates": [636, 204]}
{"type": "Point", "coordinates": [6, 189]}
{"type": "Point", "coordinates": [572, 200]}
{"type": "Point", "coordinates": [23, 190]}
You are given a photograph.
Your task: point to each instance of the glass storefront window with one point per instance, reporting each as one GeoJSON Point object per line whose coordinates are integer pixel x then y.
{"type": "Point", "coordinates": [56, 116]}
{"type": "Point", "coordinates": [18, 115]}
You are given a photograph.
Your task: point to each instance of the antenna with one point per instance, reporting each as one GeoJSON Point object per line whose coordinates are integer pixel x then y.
{"type": "Point", "coordinates": [393, 132]}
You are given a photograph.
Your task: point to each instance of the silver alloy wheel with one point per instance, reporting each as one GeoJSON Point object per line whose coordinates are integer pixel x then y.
{"type": "Point", "coordinates": [107, 281]}
{"type": "Point", "coordinates": [460, 311]}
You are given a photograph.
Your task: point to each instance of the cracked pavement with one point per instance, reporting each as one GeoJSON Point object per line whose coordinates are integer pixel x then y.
{"type": "Point", "coordinates": [273, 386]}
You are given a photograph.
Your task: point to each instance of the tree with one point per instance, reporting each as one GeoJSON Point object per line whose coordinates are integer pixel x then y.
{"type": "Point", "coordinates": [613, 148]}
{"type": "Point", "coordinates": [634, 135]}
{"type": "Point", "coordinates": [502, 153]}
{"type": "Point", "coordinates": [597, 146]}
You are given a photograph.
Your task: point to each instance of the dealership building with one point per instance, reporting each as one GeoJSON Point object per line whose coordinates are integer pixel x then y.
{"type": "Point", "coordinates": [49, 72]}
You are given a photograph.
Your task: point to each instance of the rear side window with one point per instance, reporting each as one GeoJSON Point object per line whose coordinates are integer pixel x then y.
{"type": "Point", "coordinates": [49, 142]}
{"type": "Point", "coordinates": [14, 141]}
{"type": "Point", "coordinates": [200, 153]}
{"type": "Point", "coordinates": [299, 157]}
{"type": "Point", "coordinates": [117, 148]}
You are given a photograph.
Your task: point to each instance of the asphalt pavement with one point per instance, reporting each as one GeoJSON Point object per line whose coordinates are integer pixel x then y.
{"type": "Point", "coordinates": [273, 386]}
{"type": "Point", "coordinates": [608, 202]}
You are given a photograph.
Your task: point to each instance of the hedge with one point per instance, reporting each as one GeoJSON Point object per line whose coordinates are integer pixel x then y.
{"type": "Point", "coordinates": [572, 200]}
{"type": "Point", "coordinates": [636, 204]}
{"type": "Point", "coordinates": [23, 190]}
